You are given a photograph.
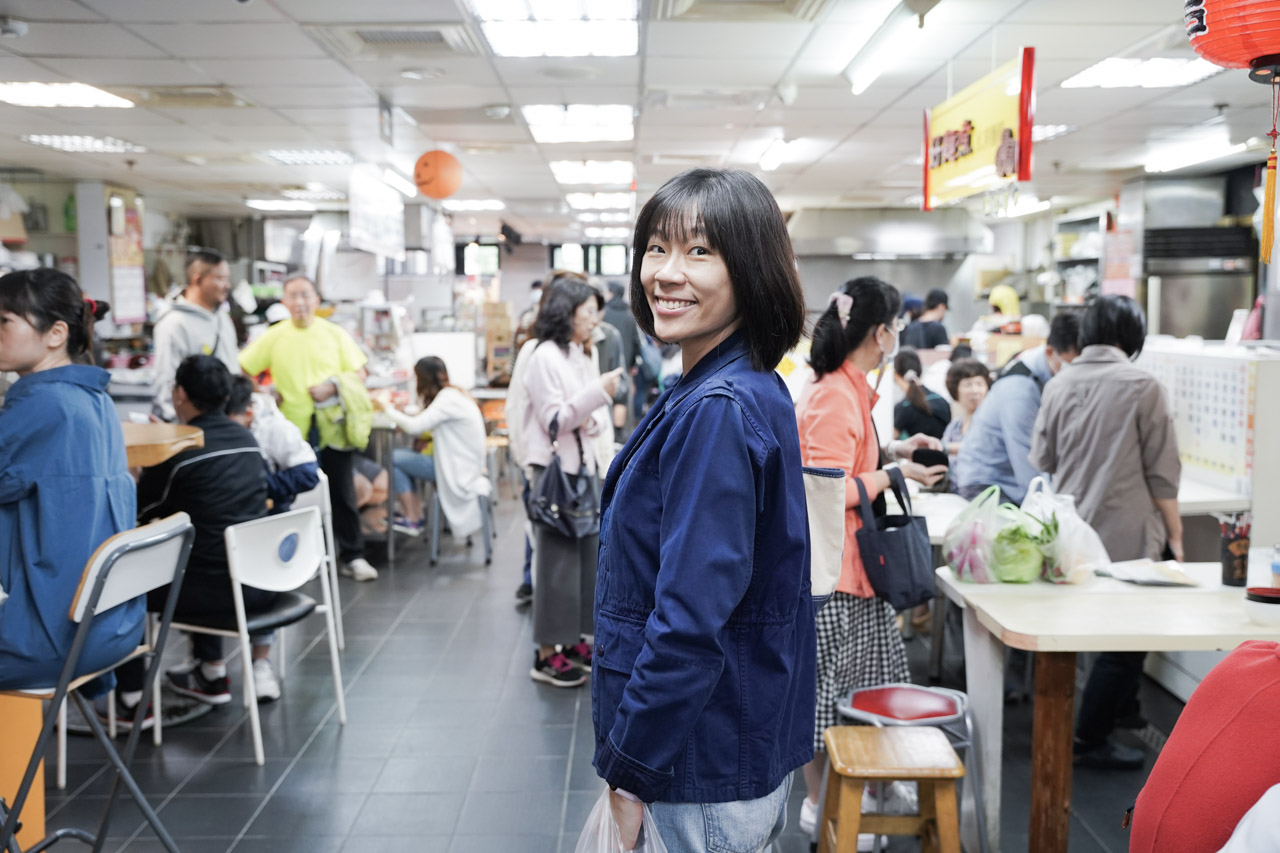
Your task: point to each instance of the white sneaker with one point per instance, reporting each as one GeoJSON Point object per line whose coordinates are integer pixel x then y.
{"type": "Point", "coordinates": [359, 570]}
{"type": "Point", "coordinates": [808, 817]}
{"type": "Point", "coordinates": [867, 842]}
{"type": "Point", "coordinates": [265, 683]}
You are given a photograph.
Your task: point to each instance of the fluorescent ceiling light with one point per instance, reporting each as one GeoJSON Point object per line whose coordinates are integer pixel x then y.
{"type": "Point", "coordinates": [278, 204]}
{"type": "Point", "coordinates": [1190, 155]}
{"type": "Point", "coordinates": [392, 178]}
{"type": "Point", "coordinates": [1046, 132]}
{"type": "Point", "coordinates": [891, 41]}
{"type": "Point", "coordinates": [563, 38]}
{"type": "Point", "coordinates": [606, 232]}
{"type": "Point", "coordinates": [599, 201]}
{"type": "Point", "coordinates": [465, 204]}
{"type": "Point", "coordinates": [554, 10]}
{"type": "Point", "coordinates": [552, 123]}
{"type": "Point", "coordinates": [1125, 73]}
{"type": "Point", "coordinates": [1024, 206]}
{"type": "Point", "coordinates": [593, 171]}
{"type": "Point", "coordinates": [773, 155]}
{"type": "Point", "coordinates": [309, 157]}
{"type": "Point", "coordinates": [85, 144]}
{"type": "Point", "coordinates": [604, 217]}
{"type": "Point", "coordinates": [314, 192]}
{"type": "Point", "coordinates": [59, 95]}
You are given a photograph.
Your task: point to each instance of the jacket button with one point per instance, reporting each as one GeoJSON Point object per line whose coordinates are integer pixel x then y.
{"type": "Point", "coordinates": [600, 648]}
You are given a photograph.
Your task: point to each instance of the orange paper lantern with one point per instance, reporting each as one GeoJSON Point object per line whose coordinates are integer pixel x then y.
{"type": "Point", "coordinates": [438, 174]}
{"type": "Point", "coordinates": [1236, 34]}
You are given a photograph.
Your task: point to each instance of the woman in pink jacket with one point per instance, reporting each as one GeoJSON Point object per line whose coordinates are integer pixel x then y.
{"type": "Point", "coordinates": [858, 640]}
{"type": "Point", "coordinates": [560, 386]}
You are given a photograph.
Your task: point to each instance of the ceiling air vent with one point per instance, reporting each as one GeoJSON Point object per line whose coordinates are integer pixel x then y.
{"type": "Point", "coordinates": [739, 10]}
{"type": "Point", "coordinates": [181, 97]}
{"type": "Point", "coordinates": [396, 41]}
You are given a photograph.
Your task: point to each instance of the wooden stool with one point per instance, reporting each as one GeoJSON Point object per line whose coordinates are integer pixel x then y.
{"type": "Point", "coordinates": [861, 754]}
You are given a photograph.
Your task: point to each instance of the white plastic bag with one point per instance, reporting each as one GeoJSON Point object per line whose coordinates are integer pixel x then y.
{"type": "Point", "coordinates": [1076, 551]}
{"type": "Point", "coordinates": [600, 834]}
{"type": "Point", "coordinates": [966, 546]}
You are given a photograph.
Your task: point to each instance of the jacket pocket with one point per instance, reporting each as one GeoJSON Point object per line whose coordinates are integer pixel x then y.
{"type": "Point", "coordinates": [619, 642]}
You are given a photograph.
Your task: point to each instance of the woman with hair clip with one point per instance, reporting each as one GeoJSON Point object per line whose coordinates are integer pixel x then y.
{"type": "Point", "coordinates": [922, 411]}
{"type": "Point", "coordinates": [456, 464]}
{"type": "Point", "coordinates": [64, 480]}
{"type": "Point", "coordinates": [858, 640]}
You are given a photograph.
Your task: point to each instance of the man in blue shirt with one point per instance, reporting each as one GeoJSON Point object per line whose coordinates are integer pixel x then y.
{"type": "Point", "coordinates": [997, 446]}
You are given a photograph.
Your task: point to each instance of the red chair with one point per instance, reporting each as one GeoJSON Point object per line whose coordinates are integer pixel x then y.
{"type": "Point", "coordinates": [903, 704]}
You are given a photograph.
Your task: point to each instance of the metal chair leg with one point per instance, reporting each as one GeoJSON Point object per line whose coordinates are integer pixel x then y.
{"type": "Point", "coordinates": [487, 530]}
{"type": "Point", "coordinates": [436, 512]}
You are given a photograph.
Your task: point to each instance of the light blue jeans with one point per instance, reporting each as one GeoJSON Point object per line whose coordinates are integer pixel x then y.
{"type": "Point", "coordinates": [744, 826]}
{"type": "Point", "coordinates": [409, 463]}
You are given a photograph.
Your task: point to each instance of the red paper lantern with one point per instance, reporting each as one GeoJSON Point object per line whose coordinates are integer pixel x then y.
{"type": "Point", "coordinates": [1236, 34]}
{"type": "Point", "coordinates": [438, 174]}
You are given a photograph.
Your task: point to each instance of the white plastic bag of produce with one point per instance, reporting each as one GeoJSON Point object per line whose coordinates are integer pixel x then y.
{"type": "Point", "coordinates": [1072, 549]}
{"type": "Point", "coordinates": [601, 835]}
{"type": "Point", "coordinates": [966, 546]}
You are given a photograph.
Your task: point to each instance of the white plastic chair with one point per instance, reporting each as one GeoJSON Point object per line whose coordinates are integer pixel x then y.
{"type": "Point", "coordinates": [486, 530]}
{"type": "Point", "coordinates": [126, 566]}
{"type": "Point", "coordinates": [319, 498]}
{"type": "Point", "coordinates": [279, 554]}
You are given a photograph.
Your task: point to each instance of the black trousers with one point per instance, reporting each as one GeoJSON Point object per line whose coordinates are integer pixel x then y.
{"type": "Point", "coordinates": [201, 596]}
{"type": "Point", "coordinates": [339, 466]}
{"type": "Point", "coordinates": [1110, 694]}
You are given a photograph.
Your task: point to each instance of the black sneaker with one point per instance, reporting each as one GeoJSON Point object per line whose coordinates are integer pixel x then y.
{"type": "Point", "coordinates": [125, 716]}
{"type": "Point", "coordinates": [1110, 755]}
{"type": "Point", "coordinates": [191, 682]}
{"type": "Point", "coordinates": [524, 593]}
{"type": "Point", "coordinates": [556, 671]}
{"type": "Point", "coordinates": [579, 656]}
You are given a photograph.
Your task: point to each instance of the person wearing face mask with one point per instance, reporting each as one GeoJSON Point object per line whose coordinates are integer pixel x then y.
{"type": "Point", "coordinates": [1106, 435]}
{"type": "Point", "coordinates": [194, 324]}
{"type": "Point", "coordinates": [997, 445]}
{"type": "Point", "coordinates": [560, 386]}
{"type": "Point", "coordinates": [859, 644]}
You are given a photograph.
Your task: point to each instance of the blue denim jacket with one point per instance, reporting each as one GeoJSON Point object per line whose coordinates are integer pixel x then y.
{"type": "Point", "coordinates": [704, 681]}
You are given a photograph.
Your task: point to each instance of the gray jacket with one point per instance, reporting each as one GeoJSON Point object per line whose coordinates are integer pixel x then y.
{"type": "Point", "coordinates": [187, 329]}
{"type": "Point", "coordinates": [607, 340]}
{"type": "Point", "coordinates": [617, 313]}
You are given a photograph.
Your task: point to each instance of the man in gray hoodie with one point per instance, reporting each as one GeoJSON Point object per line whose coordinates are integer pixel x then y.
{"type": "Point", "coordinates": [193, 325]}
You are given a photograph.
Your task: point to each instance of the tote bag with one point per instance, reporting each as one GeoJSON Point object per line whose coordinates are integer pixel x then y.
{"type": "Point", "coordinates": [567, 503]}
{"type": "Point", "coordinates": [895, 549]}
{"type": "Point", "coordinates": [824, 499]}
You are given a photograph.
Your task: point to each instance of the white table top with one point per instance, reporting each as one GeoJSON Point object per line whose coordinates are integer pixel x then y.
{"type": "Point", "coordinates": [1110, 615]}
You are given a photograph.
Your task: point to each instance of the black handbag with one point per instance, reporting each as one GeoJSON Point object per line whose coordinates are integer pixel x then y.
{"type": "Point", "coordinates": [895, 549]}
{"type": "Point", "coordinates": [567, 503]}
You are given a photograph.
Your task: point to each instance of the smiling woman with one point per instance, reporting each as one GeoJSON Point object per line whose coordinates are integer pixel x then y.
{"type": "Point", "coordinates": [704, 679]}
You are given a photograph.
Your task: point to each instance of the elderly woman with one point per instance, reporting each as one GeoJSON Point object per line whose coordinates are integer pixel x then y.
{"type": "Point", "coordinates": [968, 381]}
{"type": "Point", "coordinates": [1105, 434]}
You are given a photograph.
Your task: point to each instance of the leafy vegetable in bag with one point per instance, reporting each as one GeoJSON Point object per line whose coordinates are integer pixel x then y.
{"type": "Point", "coordinates": [967, 543]}
{"type": "Point", "coordinates": [1015, 554]}
{"type": "Point", "coordinates": [1072, 549]}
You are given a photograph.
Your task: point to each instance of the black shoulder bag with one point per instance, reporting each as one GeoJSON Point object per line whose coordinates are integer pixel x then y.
{"type": "Point", "coordinates": [567, 503]}
{"type": "Point", "coordinates": [895, 549]}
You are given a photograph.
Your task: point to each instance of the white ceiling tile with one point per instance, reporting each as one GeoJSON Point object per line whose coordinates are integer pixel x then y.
{"type": "Point", "coordinates": [279, 72]}
{"type": "Point", "coordinates": [711, 73]}
{"type": "Point", "coordinates": [17, 70]}
{"type": "Point", "coordinates": [89, 119]}
{"type": "Point", "coordinates": [309, 96]}
{"type": "Point", "coordinates": [1061, 41]}
{"type": "Point", "coordinates": [231, 41]}
{"type": "Point", "coordinates": [105, 40]}
{"type": "Point", "coordinates": [133, 72]}
{"type": "Point", "coordinates": [370, 11]}
{"type": "Point", "coordinates": [496, 132]}
{"type": "Point", "coordinates": [228, 117]}
{"type": "Point", "coordinates": [444, 97]}
{"type": "Point", "coordinates": [573, 95]}
{"type": "Point", "coordinates": [159, 11]}
{"type": "Point", "coordinates": [454, 70]}
{"type": "Point", "coordinates": [48, 10]}
{"type": "Point", "coordinates": [578, 71]}
{"type": "Point", "coordinates": [1128, 12]}
{"type": "Point", "coordinates": [724, 40]}
{"type": "Point", "coordinates": [365, 117]}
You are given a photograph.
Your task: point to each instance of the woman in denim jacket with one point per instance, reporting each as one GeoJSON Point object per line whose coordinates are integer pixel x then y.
{"type": "Point", "coordinates": [704, 677]}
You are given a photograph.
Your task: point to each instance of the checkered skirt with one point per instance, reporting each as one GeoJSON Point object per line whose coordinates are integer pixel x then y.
{"type": "Point", "coordinates": [858, 646]}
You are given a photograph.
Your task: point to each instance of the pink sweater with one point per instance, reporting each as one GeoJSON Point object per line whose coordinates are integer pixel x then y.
{"type": "Point", "coordinates": [561, 386]}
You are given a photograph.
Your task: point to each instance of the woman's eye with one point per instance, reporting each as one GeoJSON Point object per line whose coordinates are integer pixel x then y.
{"type": "Point", "coordinates": [655, 248]}
{"type": "Point", "coordinates": [700, 251]}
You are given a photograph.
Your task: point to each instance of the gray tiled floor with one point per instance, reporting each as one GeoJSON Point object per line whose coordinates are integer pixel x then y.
{"type": "Point", "coordinates": [448, 747]}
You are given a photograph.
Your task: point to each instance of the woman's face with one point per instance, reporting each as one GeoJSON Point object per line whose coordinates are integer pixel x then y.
{"type": "Point", "coordinates": [689, 291]}
{"type": "Point", "coordinates": [23, 348]}
{"type": "Point", "coordinates": [973, 391]}
{"type": "Point", "coordinates": [301, 299]}
{"type": "Point", "coordinates": [585, 319]}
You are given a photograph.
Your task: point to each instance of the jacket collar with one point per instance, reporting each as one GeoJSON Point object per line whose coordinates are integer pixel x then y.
{"type": "Point", "coordinates": [859, 381]}
{"type": "Point", "coordinates": [1101, 354]}
{"type": "Point", "coordinates": [1038, 363]}
{"type": "Point", "coordinates": [728, 351]}
{"type": "Point", "coordinates": [84, 375]}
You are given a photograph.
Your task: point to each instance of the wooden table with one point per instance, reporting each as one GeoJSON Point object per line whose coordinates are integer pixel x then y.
{"type": "Point", "coordinates": [151, 444]}
{"type": "Point", "coordinates": [1056, 622]}
{"type": "Point", "coordinates": [20, 720]}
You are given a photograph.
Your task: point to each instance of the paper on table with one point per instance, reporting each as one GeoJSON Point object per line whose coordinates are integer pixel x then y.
{"type": "Point", "coordinates": [1148, 573]}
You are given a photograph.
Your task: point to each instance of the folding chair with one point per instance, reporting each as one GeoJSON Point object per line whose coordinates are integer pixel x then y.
{"type": "Point", "coordinates": [278, 553]}
{"type": "Point", "coordinates": [319, 498]}
{"type": "Point", "coordinates": [126, 566]}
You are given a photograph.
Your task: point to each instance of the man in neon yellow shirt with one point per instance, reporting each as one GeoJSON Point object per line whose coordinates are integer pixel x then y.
{"type": "Point", "coordinates": [305, 356]}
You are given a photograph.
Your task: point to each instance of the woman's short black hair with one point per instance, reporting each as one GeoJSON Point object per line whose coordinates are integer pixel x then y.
{"type": "Point", "coordinates": [206, 381]}
{"type": "Point", "coordinates": [739, 219]}
{"type": "Point", "coordinates": [45, 296]}
{"type": "Point", "coordinates": [561, 297]}
{"type": "Point", "coordinates": [962, 369]}
{"type": "Point", "coordinates": [1114, 321]}
{"type": "Point", "coordinates": [240, 398]}
{"type": "Point", "coordinates": [875, 303]}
